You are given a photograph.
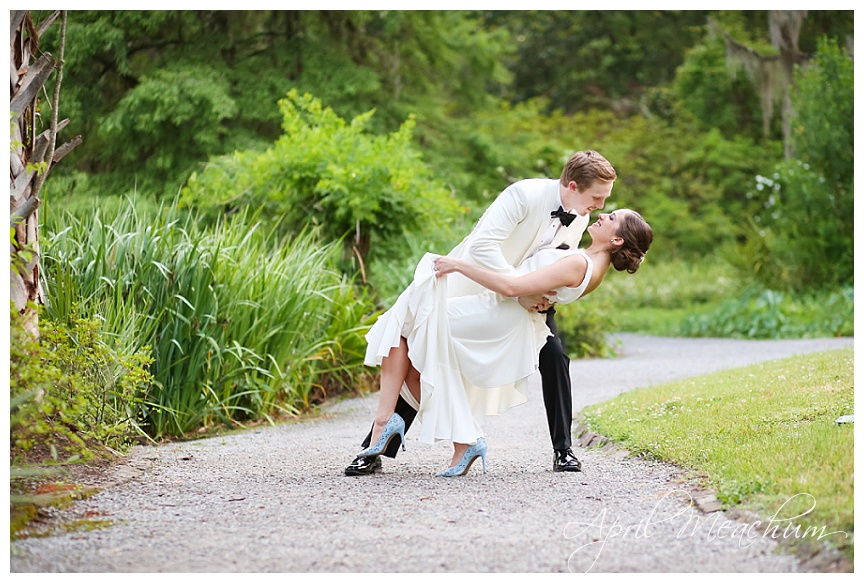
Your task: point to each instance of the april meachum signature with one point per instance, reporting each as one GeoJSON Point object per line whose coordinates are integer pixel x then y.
{"type": "Point", "coordinates": [694, 525]}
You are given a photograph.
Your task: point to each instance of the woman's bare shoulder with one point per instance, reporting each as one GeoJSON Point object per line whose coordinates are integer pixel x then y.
{"type": "Point", "coordinates": [577, 264]}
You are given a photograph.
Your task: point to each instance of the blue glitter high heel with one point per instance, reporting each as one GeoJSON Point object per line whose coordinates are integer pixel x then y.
{"type": "Point", "coordinates": [395, 426]}
{"type": "Point", "coordinates": [471, 454]}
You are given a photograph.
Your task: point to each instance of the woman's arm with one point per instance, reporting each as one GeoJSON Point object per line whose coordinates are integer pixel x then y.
{"type": "Point", "coordinates": [569, 271]}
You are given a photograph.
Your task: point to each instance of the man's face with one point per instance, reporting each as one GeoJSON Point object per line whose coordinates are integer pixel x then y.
{"type": "Point", "coordinates": [591, 199]}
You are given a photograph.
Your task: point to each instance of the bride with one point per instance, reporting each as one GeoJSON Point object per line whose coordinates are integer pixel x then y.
{"type": "Point", "coordinates": [466, 357]}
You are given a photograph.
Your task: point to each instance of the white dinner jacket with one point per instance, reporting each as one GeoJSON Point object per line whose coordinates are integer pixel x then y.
{"type": "Point", "coordinates": [510, 230]}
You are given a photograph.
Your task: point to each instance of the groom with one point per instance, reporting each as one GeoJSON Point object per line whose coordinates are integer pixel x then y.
{"type": "Point", "coordinates": [529, 215]}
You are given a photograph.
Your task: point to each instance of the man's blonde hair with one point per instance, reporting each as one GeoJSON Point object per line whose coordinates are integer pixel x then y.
{"type": "Point", "coordinates": [584, 168]}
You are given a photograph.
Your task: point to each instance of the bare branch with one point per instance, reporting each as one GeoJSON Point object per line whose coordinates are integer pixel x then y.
{"type": "Point", "coordinates": [66, 148]}
{"type": "Point", "coordinates": [25, 210]}
{"type": "Point", "coordinates": [19, 186]}
{"type": "Point", "coordinates": [55, 106]}
{"type": "Point", "coordinates": [33, 80]}
{"type": "Point", "coordinates": [60, 126]}
{"type": "Point", "coordinates": [15, 20]}
{"type": "Point", "coordinates": [40, 30]}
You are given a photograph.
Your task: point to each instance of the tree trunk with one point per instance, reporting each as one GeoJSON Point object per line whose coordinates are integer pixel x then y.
{"type": "Point", "coordinates": [32, 156]}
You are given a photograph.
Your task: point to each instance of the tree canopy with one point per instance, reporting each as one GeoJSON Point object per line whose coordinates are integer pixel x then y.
{"type": "Point", "coordinates": [486, 97]}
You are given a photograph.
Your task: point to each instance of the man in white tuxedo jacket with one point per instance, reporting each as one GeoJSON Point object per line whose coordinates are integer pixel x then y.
{"type": "Point", "coordinates": [529, 215]}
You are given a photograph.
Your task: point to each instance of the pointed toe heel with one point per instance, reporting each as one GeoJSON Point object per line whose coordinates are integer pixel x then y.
{"type": "Point", "coordinates": [395, 426]}
{"type": "Point", "coordinates": [471, 454]}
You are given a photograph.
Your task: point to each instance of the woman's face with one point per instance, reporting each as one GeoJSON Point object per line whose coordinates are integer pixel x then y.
{"type": "Point", "coordinates": [607, 224]}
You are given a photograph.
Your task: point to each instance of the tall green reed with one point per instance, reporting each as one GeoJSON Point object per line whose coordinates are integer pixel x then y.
{"type": "Point", "coordinates": [241, 324]}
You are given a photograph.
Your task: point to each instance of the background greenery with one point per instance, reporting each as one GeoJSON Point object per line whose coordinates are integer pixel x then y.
{"type": "Point", "coordinates": [255, 186]}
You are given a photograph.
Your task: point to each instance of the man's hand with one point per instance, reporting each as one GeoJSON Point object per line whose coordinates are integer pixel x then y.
{"type": "Point", "coordinates": [536, 303]}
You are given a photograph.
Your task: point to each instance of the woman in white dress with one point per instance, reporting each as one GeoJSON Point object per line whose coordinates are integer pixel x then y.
{"type": "Point", "coordinates": [467, 357]}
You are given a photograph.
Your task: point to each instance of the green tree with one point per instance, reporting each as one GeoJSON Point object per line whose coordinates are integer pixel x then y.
{"type": "Point", "coordinates": [594, 58]}
{"type": "Point", "coordinates": [159, 90]}
{"type": "Point", "coordinates": [736, 76]}
{"type": "Point", "coordinates": [805, 234]}
{"type": "Point", "coordinates": [714, 97]}
{"type": "Point", "coordinates": [167, 124]}
{"type": "Point", "coordinates": [108, 54]}
{"type": "Point", "coordinates": [770, 67]}
{"type": "Point", "coordinates": [823, 99]}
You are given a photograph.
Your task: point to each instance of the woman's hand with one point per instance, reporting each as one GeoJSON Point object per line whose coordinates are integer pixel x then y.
{"type": "Point", "coordinates": [445, 265]}
{"type": "Point", "coordinates": [537, 302]}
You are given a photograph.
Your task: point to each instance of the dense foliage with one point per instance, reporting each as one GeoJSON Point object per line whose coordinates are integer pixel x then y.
{"type": "Point", "coordinates": [170, 88]}
{"type": "Point", "coordinates": [285, 170]}
{"type": "Point", "coordinates": [583, 59]}
{"type": "Point", "coordinates": [807, 220]}
{"type": "Point", "coordinates": [240, 322]}
{"type": "Point", "coordinates": [332, 174]}
{"type": "Point", "coordinates": [72, 383]}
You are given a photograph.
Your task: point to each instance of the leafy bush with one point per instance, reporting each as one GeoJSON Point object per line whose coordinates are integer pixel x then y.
{"type": "Point", "coordinates": [802, 235]}
{"type": "Point", "coordinates": [824, 100]}
{"type": "Point", "coordinates": [582, 328]}
{"type": "Point", "coordinates": [332, 174]}
{"type": "Point", "coordinates": [71, 389]}
{"type": "Point", "coordinates": [766, 313]}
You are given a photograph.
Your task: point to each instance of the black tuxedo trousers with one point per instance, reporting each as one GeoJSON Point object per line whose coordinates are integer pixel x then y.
{"type": "Point", "coordinates": [554, 367]}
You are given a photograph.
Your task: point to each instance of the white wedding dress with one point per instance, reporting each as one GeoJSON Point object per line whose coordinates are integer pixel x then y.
{"type": "Point", "coordinates": [474, 353]}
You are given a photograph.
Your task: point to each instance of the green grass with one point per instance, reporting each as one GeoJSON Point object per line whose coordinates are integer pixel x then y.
{"type": "Point", "coordinates": [653, 321]}
{"type": "Point", "coordinates": [661, 296]}
{"type": "Point", "coordinates": [758, 436]}
{"type": "Point", "coordinates": [671, 284]}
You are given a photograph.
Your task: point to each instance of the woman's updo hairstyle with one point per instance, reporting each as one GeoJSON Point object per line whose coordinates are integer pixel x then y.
{"type": "Point", "coordinates": [637, 237]}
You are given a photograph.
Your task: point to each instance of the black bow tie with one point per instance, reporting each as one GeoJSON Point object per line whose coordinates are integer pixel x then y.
{"type": "Point", "coordinates": [566, 218]}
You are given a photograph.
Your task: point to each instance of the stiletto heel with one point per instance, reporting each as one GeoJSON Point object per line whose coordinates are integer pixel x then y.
{"type": "Point", "coordinates": [471, 454]}
{"type": "Point", "coordinates": [395, 426]}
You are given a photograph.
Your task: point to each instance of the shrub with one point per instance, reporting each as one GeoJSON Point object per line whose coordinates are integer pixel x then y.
{"type": "Point", "coordinates": [72, 389]}
{"type": "Point", "coordinates": [765, 313]}
{"type": "Point", "coordinates": [582, 329]}
{"type": "Point", "coordinates": [802, 237]}
{"type": "Point", "coordinates": [353, 186]}
{"type": "Point", "coordinates": [142, 136]}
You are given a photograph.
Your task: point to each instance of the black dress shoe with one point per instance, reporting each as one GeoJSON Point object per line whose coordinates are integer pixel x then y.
{"type": "Point", "coordinates": [565, 461]}
{"type": "Point", "coordinates": [364, 466]}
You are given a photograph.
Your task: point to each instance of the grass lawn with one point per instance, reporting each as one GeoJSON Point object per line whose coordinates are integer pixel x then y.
{"type": "Point", "coordinates": [763, 437]}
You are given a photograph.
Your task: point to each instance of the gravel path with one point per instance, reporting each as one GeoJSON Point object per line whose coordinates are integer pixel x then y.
{"type": "Point", "coordinates": [273, 499]}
